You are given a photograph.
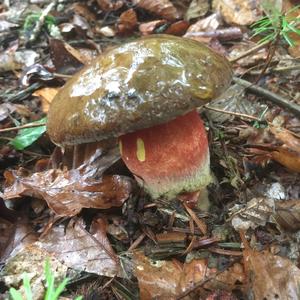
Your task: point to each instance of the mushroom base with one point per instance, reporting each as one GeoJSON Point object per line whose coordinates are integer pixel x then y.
{"type": "Point", "coordinates": [170, 158]}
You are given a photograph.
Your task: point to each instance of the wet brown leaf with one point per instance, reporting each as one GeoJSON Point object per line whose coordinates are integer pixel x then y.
{"type": "Point", "coordinates": [67, 192]}
{"type": "Point", "coordinates": [271, 276]}
{"type": "Point", "coordinates": [288, 214]}
{"type": "Point", "coordinates": [66, 59]}
{"type": "Point", "coordinates": [161, 8]}
{"type": "Point", "coordinates": [237, 12]}
{"type": "Point", "coordinates": [127, 22]}
{"type": "Point", "coordinates": [82, 250]}
{"type": "Point", "coordinates": [169, 279]}
{"type": "Point", "coordinates": [46, 95]}
{"type": "Point", "coordinates": [157, 279]}
{"type": "Point", "coordinates": [178, 28]}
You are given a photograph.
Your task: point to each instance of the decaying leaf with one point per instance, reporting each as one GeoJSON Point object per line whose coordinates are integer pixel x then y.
{"type": "Point", "coordinates": [157, 279]}
{"type": "Point", "coordinates": [82, 250]}
{"type": "Point", "coordinates": [127, 22]}
{"type": "Point", "coordinates": [196, 9]}
{"type": "Point", "coordinates": [67, 192]}
{"type": "Point", "coordinates": [31, 260]}
{"type": "Point", "coordinates": [237, 12]}
{"type": "Point", "coordinates": [256, 213]}
{"type": "Point", "coordinates": [108, 5]}
{"type": "Point", "coordinates": [278, 144]}
{"type": "Point", "coordinates": [149, 27]}
{"type": "Point", "coordinates": [16, 60]}
{"type": "Point", "coordinates": [161, 8]}
{"type": "Point", "coordinates": [288, 214]}
{"type": "Point", "coordinates": [170, 279]}
{"type": "Point", "coordinates": [66, 59]}
{"type": "Point", "coordinates": [271, 276]}
{"type": "Point", "coordinates": [209, 23]}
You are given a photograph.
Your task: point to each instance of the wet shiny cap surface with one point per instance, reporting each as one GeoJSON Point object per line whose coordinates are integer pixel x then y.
{"type": "Point", "coordinates": [137, 85]}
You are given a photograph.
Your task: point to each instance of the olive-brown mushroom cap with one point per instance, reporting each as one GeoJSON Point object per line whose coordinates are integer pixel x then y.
{"type": "Point", "coordinates": [139, 84]}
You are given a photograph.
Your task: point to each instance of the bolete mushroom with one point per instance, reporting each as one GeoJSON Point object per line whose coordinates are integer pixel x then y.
{"type": "Point", "coordinates": [145, 93]}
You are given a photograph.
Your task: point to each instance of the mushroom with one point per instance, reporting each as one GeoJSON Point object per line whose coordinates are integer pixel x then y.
{"type": "Point", "coordinates": [145, 93]}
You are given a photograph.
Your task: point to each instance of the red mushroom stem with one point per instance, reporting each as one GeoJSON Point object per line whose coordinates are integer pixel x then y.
{"type": "Point", "coordinates": [170, 158]}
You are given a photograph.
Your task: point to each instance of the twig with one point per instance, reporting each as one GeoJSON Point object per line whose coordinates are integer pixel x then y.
{"type": "Point", "coordinates": [248, 52]}
{"type": "Point", "coordinates": [232, 113]}
{"type": "Point", "coordinates": [280, 101]}
{"type": "Point", "coordinates": [222, 34]}
{"type": "Point", "coordinates": [41, 20]}
{"type": "Point", "coordinates": [22, 127]}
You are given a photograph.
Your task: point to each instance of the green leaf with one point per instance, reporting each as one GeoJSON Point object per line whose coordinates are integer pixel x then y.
{"type": "Point", "coordinates": [27, 287]}
{"type": "Point", "coordinates": [28, 136]}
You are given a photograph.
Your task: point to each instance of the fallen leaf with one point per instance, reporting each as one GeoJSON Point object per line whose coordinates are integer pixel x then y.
{"type": "Point", "coordinates": [178, 28]}
{"type": "Point", "coordinates": [127, 22]}
{"type": "Point", "coordinates": [288, 214]}
{"type": "Point", "coordinates": [108, 5]}
{"type": "Point", "coordinates": [149, 27]}
{"type": "Point", "coordinates": [278, 144]}
{"type": "Point", "coordinates": [256, 213]}
{"type": "Point", "coordinates": [196, 9]}
{"type": "Point", "coordinates": [82, 250]}
{"type": "Point", "coordinates": [16, 60]}
{"type": "Point", "coordinates": [157, 279]}
{"type": "Point", "coordinates": [66, 59]}
{"type": "Point", "coordinates": [28, 136]}
{"type": "Point", "coordinates": [161, 279]}
{"type": "Point", "coordinates": [237, 12]}
{"type": "Point", "coordinates": [161, 8]}
{"type": "Point", "coordinates": [271, 276]}
{"type": "Point", "coordinates": [209, 23]}
{"type": "Point", "coordinates": [46, 96]}
{"type": "Point", "coordinates": [5, 110]}
{"type": "Point", "coordinates": [67, 192]}
{"type": "Point", "coordinates": [31, 260]}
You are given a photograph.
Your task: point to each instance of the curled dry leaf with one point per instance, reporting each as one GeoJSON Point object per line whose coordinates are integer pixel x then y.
{"type": "Point", "coordinates": [68, 191]}
{"type": "Point", "coordinates": [256, 213]}
{"type": "Point", "coordinates": [127, 22]}
{"type": "Point", "coordinates": [237, 12]}
{"type": "Point", "coordinates": [161, 8]}
{"type": "Point", "coordinates": [271, 276]}
{"type": "Point", "coordinates": [82, 250]}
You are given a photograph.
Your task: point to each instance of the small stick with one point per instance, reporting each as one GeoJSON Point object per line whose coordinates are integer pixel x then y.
{"type": "Point", "coordinates": [232, 113]}
{"type": "Point", "coordinates": [248, 52]}
{"type": "Point", "coordinates": [22, 127]}
{"type": "Point", "coordinates": [40, 22]}
{"type": "Point", "coordinates": [280, 101]}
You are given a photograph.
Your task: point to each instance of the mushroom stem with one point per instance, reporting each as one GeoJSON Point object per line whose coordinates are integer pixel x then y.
{"type": "Point", "coordinates": [170, 158]}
